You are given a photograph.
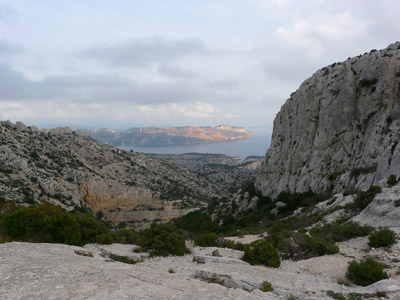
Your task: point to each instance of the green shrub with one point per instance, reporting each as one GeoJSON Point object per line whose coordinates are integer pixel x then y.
{"type": "Point", "coordinates": [365, 198]}
{"type": "Point", "coordinates": [123, 259]}
{"type": "Point", "coordinates": [45, 223]}
{"type": "Point", "coordinates": [365, 272]}
{"type": "Point", "coordinates": [93, 230]}
{"type": "Point", "coordinates": [368, 82]}
{"type": "Point", "coordinates": [261, 253]}
{"type": "Point", "coordinates": [162, 240]}
{"type": "Point", "coordinates": [392, 180]}
{"type": "Point", "coordinates": [48, 223]}
{"type": "Point", "coordinates": [335, 175]}
{"type": "Point", "coordinates": [294, 201]}
{"type": "Point", "coordinates": [196, 222]}
{"type": "Point", "coordinates": [382, 238]}
{"type": "Point", "coordinates": [310, 246]}
{"type": "Point", "coordinates": [127, 236]}
{"type": "Point", "coordinates": [267, 287]}
{"type": "Point", "coordinates": [339, 232]}
{"type": "Point", "coordinates": [207, 240]}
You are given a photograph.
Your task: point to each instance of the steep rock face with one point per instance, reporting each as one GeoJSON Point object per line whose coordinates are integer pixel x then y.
{"type": "Point", "coordinates": [70, 169]}
{"type": "Point", "coordinates": [340, 130]}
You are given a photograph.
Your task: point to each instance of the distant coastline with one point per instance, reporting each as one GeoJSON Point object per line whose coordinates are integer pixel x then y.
{"type": "Point", "coordinates": [156, 136]}
{"type": "Point", "coordinates": [256, 145]}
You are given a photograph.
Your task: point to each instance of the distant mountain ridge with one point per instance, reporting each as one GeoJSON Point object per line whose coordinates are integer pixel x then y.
{"type": "Point", "coordinates": [157, 136]}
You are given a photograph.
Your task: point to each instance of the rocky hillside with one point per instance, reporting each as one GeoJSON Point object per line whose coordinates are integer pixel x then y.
{"type": "Point", "coordinates": [340, 130]}
{"type": "Point", "coordinates": [73, 170]}
{"type": "Point", "coordinates": [153, 136]}
{"type": "Point", "coordinates": [228, 172]}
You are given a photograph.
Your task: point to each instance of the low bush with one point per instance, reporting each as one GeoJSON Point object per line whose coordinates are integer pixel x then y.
{"type": "Point", "coordinates": [368, 82]}
{"type": "Point", "coordinates": [392, 180]}
{"type": "Point", "coordinates": [310, 246]}
{"type": "Point", "coordinates": [383, 237]}
{"type": "Point", "coordinates": [162, 240]}
{"type": "Point", "coordinates": [267, 287]}
{"type": "Point", "coordinates": [365, 272]}
{"type": "Point", "coordinates": [207, 240]}
{"type": "Point", "coordinates": [294, 201]}
{"type": "Point", "coordinates": [93, 230]}
{"type": "Point", "coordinates": [197, 222]}
{"type": "Point", "coordinates": [123, 259]}
{"type": "Point", "coordinates": [45, 223]}
{"type": "Point", "coordinates": [261, 252]}
{"type": "Point", "coordinates": [339, 232]}
{"type": "Point", "coordinates": [127, 236]}
{"type": "Point", "coordinates": [365, 198]}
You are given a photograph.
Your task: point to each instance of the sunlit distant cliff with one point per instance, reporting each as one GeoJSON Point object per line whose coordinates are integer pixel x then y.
{"type": "Point", "coordinates": [151, 136]}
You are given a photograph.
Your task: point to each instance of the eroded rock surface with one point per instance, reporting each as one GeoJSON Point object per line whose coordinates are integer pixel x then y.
{"type": "Point", "coordinates": [52, 271]}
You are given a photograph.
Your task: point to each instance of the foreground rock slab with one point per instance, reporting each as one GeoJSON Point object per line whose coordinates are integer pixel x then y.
{"type": "Point", "coordinates": [52, 271]}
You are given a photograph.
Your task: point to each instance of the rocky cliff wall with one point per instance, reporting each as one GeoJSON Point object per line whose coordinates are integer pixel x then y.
{"type": "Point", "coordinates": [340, 130]}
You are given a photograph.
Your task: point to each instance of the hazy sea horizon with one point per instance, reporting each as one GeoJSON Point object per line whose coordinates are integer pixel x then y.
{"type": "Point", "coordinates": [257, 144]}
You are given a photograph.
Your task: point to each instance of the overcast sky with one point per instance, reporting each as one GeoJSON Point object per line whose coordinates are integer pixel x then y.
{"type": "Point", "coordinates": [125, 63]}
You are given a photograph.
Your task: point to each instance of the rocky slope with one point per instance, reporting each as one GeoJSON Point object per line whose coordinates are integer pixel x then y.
{"type": "Point", "coordinates": [340, 130]}
{"type": "Point", "coordinates": [73, 170]}
{"type": "Point", "coordinates": [228, 172]}
{"type": "Point", "coordinates": [153, 136]}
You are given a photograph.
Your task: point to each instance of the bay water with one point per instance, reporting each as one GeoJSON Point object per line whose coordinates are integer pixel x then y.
{"type": "Point", "coordinates": [257, 144]}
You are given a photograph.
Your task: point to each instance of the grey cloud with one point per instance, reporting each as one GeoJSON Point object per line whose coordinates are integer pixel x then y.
{"type": "Point", "coordinates": [289, 69]}
{"type": "Point", "coordinates": [144, 51]}
{"type": "Point", "coordinates": [224, 83]}
{"type": "Point", "coordinates": [7, 48]}
{"type": "Point", "coordinates": [81, 88]}
{"type": "Point", "coordinates": [6, 11]}
{"type": "Point", "coordinates": [176, 72]}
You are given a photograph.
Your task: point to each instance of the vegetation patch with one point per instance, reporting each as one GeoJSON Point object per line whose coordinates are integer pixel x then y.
{"type": "Point", "coordinates": [333, 176]}
{"type": "Point", "coordinates": [368, 82]}
{"type": "Point", "coordinates": [309, 246]}
{"type": "Point", "coordinates": [340, 296]}
{"type": "Point", "coordinates": [383, 237]}
{"type": "Point", "coordinates": [123, 259]}
{"type": "Point", "coordinates": [392, 180]}
{"type": "Point", "coordinates": [197, 222]}
{"type": "Point", "coordinates": [365, 198]}
{"type": "Point", "coordinates": [365, 272]}
{"type": "Point", "coordinates": [83, 253]}
{"type": "Point", "coordinates": [261, 253]}
{"type": "Point", "coordinates": [339, 232]}
{"type": "Point", "coordinates": [266, 287]}
{"type": "Point", "coordinates": [163, 240]}
{"type": "Point", "coordinates": [48, 223]}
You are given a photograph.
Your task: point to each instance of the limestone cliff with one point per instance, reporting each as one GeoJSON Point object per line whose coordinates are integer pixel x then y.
{"type": "Point", "coordinates": [73, 170]}
{"type": "Point", "coordinates": [340, 130]}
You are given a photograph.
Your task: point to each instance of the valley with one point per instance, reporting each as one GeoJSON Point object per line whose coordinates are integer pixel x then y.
{"type": "Point", "coordinates": [318, 217]}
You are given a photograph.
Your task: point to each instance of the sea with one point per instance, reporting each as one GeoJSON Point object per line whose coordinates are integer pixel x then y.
{"type": "Point", "coordinates": [257, 144]}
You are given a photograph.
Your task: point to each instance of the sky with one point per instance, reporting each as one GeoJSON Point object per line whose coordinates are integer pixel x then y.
{"type": "Point", "coordinates": [135, 63]}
